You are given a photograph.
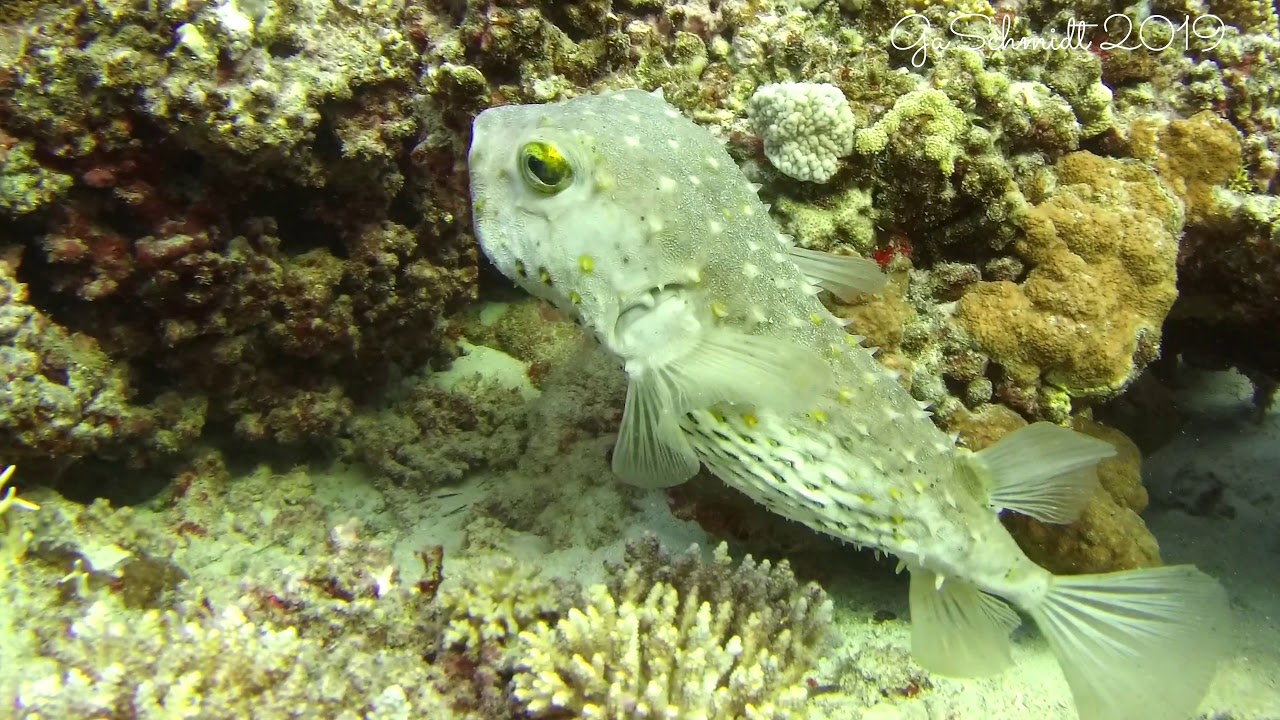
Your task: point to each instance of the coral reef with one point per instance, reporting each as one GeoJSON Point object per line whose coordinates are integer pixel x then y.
{"type": "Point", "coordinates": [150, 151]}
{"type": "Point", "coordinates": [806, 127]}
{"type": "Point", "coordinates": [341, 639]}
{"type": "Point", "coordinates": [1102, 253]}
{"type": "Point", "coordinates": [1109, 535]}
{"type": "Point", "coordinates": [679, 640]}
{"type": "Point", "coordinates": [249, 219]}
{"type": "Point", "coordinates": [432, 435]}
{"type": "Point", "coordinates": [13, 537]}
{"type": "Point", "coordinates": [65, 399]}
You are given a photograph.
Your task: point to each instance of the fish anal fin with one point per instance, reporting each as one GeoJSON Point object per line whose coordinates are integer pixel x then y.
{"type": "Point", "coordinates": [956, 629]}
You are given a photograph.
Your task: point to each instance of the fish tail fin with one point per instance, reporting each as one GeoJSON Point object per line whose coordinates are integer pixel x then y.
{"type": "Point", "coordinates": [1138, 643]}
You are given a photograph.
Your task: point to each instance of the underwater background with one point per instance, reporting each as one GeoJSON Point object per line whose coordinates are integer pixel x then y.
{"type": "Point", "coordinates": [285, 445]}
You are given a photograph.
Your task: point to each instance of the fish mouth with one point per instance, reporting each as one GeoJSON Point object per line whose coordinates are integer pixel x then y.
{"type": "Point", "coordinates": [656, 323]}
{"type": "Point", "coordinates": [647, 301]}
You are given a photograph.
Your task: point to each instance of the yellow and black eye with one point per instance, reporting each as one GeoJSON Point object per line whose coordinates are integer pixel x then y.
{"type": "Point", "coordinates": [544, 168]}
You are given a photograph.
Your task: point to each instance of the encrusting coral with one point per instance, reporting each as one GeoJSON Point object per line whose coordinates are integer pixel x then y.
{"type": "Point", "coordinates": [65, 399]}
{"type": "Point", "coordinates": [1102, 253]}
{"type": "Point", "coordinates": [1109, 535]}
{"type": "Point", "coordinates": [682, 640]}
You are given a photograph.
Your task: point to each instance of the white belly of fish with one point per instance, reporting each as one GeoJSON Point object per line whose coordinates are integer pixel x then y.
{"type": "Point", "coordinates": [804, 473]}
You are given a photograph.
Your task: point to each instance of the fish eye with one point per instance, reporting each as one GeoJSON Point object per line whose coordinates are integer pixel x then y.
{"type": "Point", "coordinates": [544, 168]}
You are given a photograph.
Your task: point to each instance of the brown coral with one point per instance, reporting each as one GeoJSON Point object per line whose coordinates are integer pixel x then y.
{"type": "Point", "coordinates": [1109, 535]}
{"type": "Point", "coordinates": [63, 397]}
{"type": "Point", "coordinates": [1103, 252]}
{"type": "Point", "coordinates": [1192, 156]}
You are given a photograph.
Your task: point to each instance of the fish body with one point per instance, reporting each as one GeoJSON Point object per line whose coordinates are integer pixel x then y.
{"type": "Point", "coordinates": [629, 216]}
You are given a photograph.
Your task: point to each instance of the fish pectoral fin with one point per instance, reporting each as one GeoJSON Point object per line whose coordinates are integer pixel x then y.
{"type": "Point", "coordinates": [956, 629]}
{"type": "Point", "coordinates": [844, 276]}
{"type": "Point", "coordinates": [1043, 470]}
{"type": "Point", "coordinates": [723, 367]}
{"type": "Point", "coordinates": [652, 450]}
{"type": "Point", "coordinates": [728, 366]}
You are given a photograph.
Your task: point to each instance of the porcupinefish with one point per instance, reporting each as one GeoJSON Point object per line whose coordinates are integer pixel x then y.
{"type": "Point", "coordinates": [635, 220]}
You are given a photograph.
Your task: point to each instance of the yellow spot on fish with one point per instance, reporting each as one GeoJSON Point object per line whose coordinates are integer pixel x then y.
{"type": "Point", "coordinates": [895, 494]}
{"type": "Point", "coordinates": [748, 210]}
{"type": "Point", "coordinates": [717, 416]}
{"type": "Point", "coordinates": [727, 213]}
{"type": "Point", "coordinates": [586, 263]}
{"type": "Point", "coordinates": [819, 415]}
{"type": "Point", "coordinates": [520, 268]}
{"type": "Point", "coordinates": [866, 499]}
{"type": "Point", "coordinates": [852, 340]}
{"type": "Point", "coordinates": [897, 519]}
{"type": "Point", "coordinates": [751, 271]}
{"type": "Point", "coordinates": [815, 318]}
{"type": "Point", "coordinates": [574, 297]}
{"type": "Point", "coordinates": [713, 163]}
{"type": "Point", "coordinates": [750, 420]}
{"type": "Point", "coordinates": [719, 309]}
{"type": "Point", "coordinates": [715, 227]}
{"type": "Point", "coordinates": [544, 276]}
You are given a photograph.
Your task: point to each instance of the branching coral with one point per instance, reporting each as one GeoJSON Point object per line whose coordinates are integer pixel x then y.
{"type": "Point", "coordinates": [489, 605]}
{"type": "Point", "coordinates": [187, 663]}
{"type": "Point", "coordinates": [13, 538]}
{"type": "Point", "coordinates": [338, 637]}
{"type": "Point", "coordinates": [712, 643]}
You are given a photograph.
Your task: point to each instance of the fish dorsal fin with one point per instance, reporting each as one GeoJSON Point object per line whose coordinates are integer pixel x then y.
{"type": "Point", "coordinates": [723, 367]}
{"type": "Point", "coordinates": [956, 629]}
{"type": "Point", "coordinates": [1043, 470]}
{"type": "Point", "coordinates": [844, 276]}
